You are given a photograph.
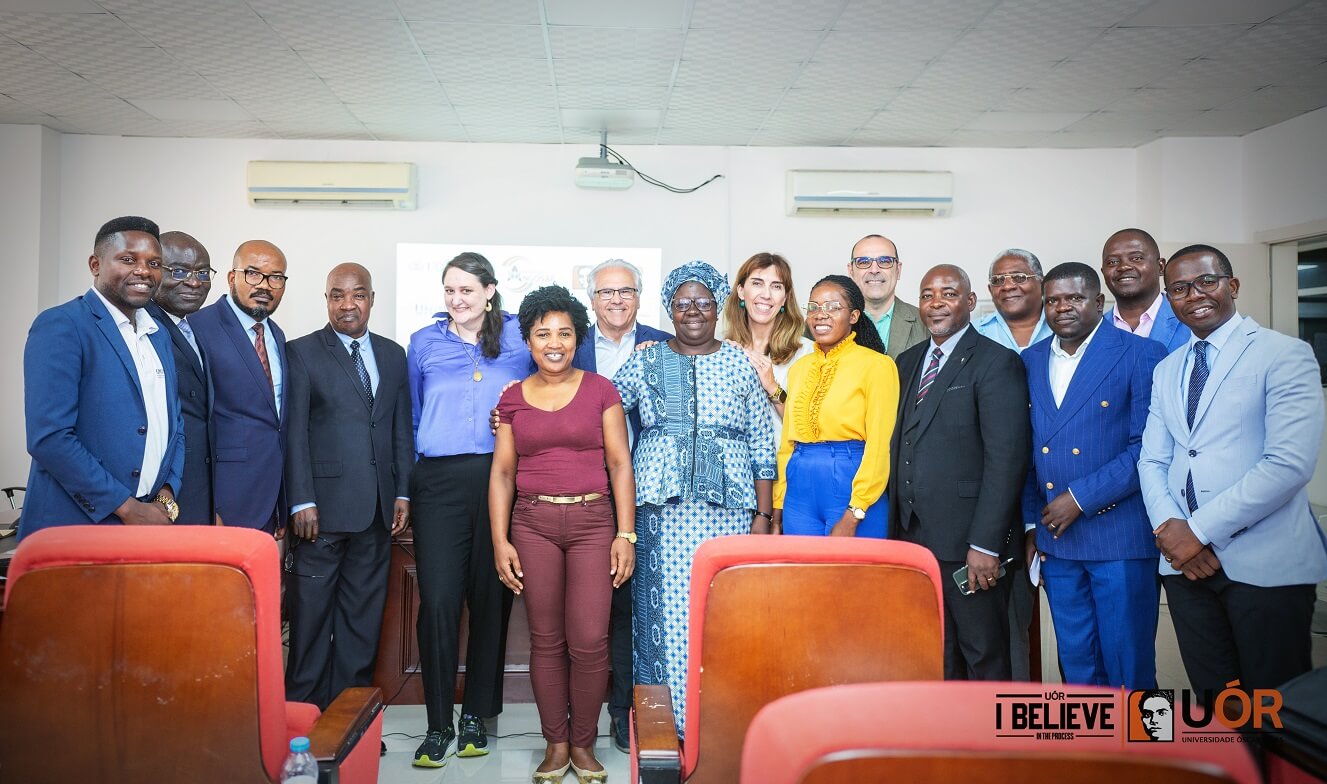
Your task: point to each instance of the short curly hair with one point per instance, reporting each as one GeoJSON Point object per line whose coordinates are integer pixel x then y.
{"type": "Point", "coordinates": [553, 299]}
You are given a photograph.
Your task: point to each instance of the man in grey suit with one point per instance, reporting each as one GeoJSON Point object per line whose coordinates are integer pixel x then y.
{"type": "Point", "coordinates": [875, 266]}
{"type": "Point", "coordinates": [1231, 442]}
{"type": "Point", "coordinates": [348, 462]}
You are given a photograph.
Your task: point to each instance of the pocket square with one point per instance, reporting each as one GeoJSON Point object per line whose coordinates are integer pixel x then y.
{"type": "Point", "coordinates": [960, 386]}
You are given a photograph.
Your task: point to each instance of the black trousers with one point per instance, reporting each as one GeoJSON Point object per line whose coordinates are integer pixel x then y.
{"type": "Point", "coordinates": [1228, 630]}
{"type": "Point", "coordinates": [454, 566]}
{"type": "Point", "coordinates": [976, 629]}
{"type": "Point", "coordinates": [336, 589]}
{"type": "Point", "coordinates": [621, 651]}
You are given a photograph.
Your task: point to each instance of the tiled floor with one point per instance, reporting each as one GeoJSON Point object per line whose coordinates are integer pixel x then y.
{"type": "Point", "coordinates": [517, 747]}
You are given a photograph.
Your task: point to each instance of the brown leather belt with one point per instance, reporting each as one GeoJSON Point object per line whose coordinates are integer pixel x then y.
{"type": "Point", "coordinates": [569, 499]}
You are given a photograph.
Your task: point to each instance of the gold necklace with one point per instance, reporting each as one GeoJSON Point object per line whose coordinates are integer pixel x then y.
{"type": "Point", "coordinates": [474, 358]}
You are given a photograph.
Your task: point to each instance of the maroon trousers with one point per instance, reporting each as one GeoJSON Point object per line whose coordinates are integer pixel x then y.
{"type": "Point", "coordinates": [564, 551]}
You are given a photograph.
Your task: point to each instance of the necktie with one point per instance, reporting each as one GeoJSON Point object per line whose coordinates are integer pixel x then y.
{"type": "Point", "coordinates": [1197, 380]}
{"type": "Point", "coordinates": [188, 333]}
{"type": "Point", "coordinates": [928, 378]}
{"type": "Point", "coordinates": [358, 362]}
{"type": "Point", "coordinates": [260, 346]}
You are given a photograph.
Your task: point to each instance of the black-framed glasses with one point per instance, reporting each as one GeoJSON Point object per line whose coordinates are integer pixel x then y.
{"type": "Point", "coordinates": [866, 262]}
{"type": "Point", "coordinates": [703, 304]}
{"type": "Point", "coordinates": [625, 293]}
{"type": "Point", "coordinates": [1205, 284]}
{"type": "Point", "coordinates": [829, 306]}
{"type": "Point", "coordinates": [255, 278]}
{"type": "Point", "coordinates": [1019, 278]}
{"type": "Point", "coordinates": [180, 273]}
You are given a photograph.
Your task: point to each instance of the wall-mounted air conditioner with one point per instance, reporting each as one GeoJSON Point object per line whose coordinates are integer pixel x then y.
{"type": "Point", "coordinates": [386, 186]}
{"type": "Point", "coordinates": [825, 192]}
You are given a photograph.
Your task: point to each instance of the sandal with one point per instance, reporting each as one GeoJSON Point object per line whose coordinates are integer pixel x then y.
{"type": "Point", "coordinates": [550, 776]}
{"type": "Point", "coordinates": [590, 776]}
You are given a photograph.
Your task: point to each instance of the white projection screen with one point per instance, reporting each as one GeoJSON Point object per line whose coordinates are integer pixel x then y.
{"type": "Point", "coordinates": [520, 270]}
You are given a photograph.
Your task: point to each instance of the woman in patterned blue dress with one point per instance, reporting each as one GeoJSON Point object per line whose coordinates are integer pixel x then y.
{"type": "Point", "coordinates": [704, 463]}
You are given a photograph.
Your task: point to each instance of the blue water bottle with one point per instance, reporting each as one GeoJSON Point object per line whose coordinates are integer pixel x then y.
{"type": "Point", "coordinates": [300, 767]}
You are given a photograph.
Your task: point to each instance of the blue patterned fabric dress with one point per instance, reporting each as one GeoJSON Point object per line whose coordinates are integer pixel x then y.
{"type": "Point", "coordinates": [706, 438]}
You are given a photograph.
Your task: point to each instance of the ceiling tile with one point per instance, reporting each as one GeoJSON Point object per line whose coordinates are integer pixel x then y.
{"type": "Point", "coordinates": [721, 98]}
{"type": "Point", "coordinates": [613, 120]}
{"type": "Point", "coordinates": [18, 113]}
{"type": "Point", "coordinates": [1043, 14]}
{"type": "Point", "coordinates": [222, 130]}
{"type": "Point", "coordinates": [865, 97]}
{"type": "Point", "coordinates": [962, 71]}
{"type": "Point", "coordinates": [721, 44]}
{"type": "Point", "coordinates": [587, 96]}
{"type": "Point", "coordinates": [616, 13]}
{"type": "Point", "coordinates": [1150, 99]}
{"type": "Point", "coordinates": [51, 6]}
{"type": "Point", "coordinates": [205, 31]}
{"type": "Point", "coordinates": [701, 72]}
{"type": "Point", "coordinates": [1278, 99]}
{"type": "Point", "coordinates": [1240, 73]}
{"type": "Point", "coordinates": [488, 69]}
{"type": "Point", "coordinates": [1286, 40]}
{"type": "Point", "coordinates": [115, 118]}
{"type": "Point", "coordinates": [1072, 74]}
{"type": "Point", "coordinates": [403, 114]}
{"type": "Point", "coordinates": [63, 99]}
{"type": "Point", "coordinates": [226, 7]}
{"type": "Point", "coordinates": [847, 120]}
{"type": "Point", "coordinates": [736, 137]}
{"type": "Point", "coordinates": [882, 75]}
{"type": "Point", "coordinates": [292, 91]}
{"type": "Point", "coordinates": [367, 9]}
{"type": "Point", "coordinates": [289, 114]}
{"type": "Point", "coordinates": [899, 138]}
{"type": "Point", "coordinates": [411, 133]}
{"type": "Point", "coordinates": [491, 93]}
{"type": "Point", "coordinates": [321, 132]}
{"type": "Point", "coordinates": [251, 63]}
{"type": "Point", "coordinates": [134, 73]}
{"type": "Point", "coordinates": [602, 43]}
{"type": "Point", "coordinates": [517, 12]}
{"type": "Point", "coordinates": [354, 65]}
{"type": "Point", "coordinates": [1026, 44]}
{"type": "Point", "coordinates": [655, 72]}
{"type": "Point", "coordinates": [1232, 123]}
{"type": "Point", "coordinates": [766, 14]}
{"type": "Point", "coordinates": [1184, 13]}
{"type": "Point", "coordinates": [909, 15]}
{"type": "Point", "coordinates": [1312, 12]}
{"type": "Point", "coordinates": [927, 101]}
{"type": "Point", "coordinates": [495, 41]}
{"type": "Point", "coordinates": [101, 31]}
{"type": "Point", "coordinates": [911, 122]}
{"type": "Point", "coordinates": [1163, 43]}
{"type": "Point", "coordinates": [1091, 139]}
{"type": "Point", "coordinates": [195, 111]}
{"type": "Point", "coordinates": [1132, 121]}
{"type": "Point", "coordinates": [866, 46]}
{"type": "Point", "coordinates": [387, 91]}
{"type": "Point", "coordinates": [807, 137]}
{"type": "Point", "coordinates": [510, 114]}
{"type": "Point", "coordinates": [1024, 121]}
{"type": "Point", "coordinates": [510, 134]}
{"type": "Point", "coordinates": [734, 118]}
{"type": "Point", "coordinates": [998, 139]}
{"type": "Point", "coordinates": [340, 33]}
{"type": "Point", "coordinates": [1085, 100]}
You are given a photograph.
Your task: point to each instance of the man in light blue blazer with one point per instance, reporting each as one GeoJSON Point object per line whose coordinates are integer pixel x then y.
{"type": "Point", "coordinates": [100, 404]}
{"type": "Point", "coordinates": [1231, 442]}
{"type": "Point", "coordinates": [1131, 265]}
{"type": "Point", "coordinates": [1090, 386]}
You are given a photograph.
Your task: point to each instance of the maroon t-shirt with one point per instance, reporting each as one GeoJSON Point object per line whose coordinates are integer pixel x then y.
{"type": "Point", "coordinates": [561, 452]}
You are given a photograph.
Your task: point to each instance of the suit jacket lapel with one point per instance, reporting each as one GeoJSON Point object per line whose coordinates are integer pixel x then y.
{"type": "Point", "coordinates": [248, 354]}
{"type": "Point", "coordinates": [1039, 384]}
{"type": "Point", "coordinates": [899, 327]}
{"type": "Point", "coordinates": [1099, 357]}
{"type": "Point", "coordinates": [1236, 345]}
{"type": "Point", "coordinates": [954, 365]}
{"type": "Point", "coordinates": [111, 331]}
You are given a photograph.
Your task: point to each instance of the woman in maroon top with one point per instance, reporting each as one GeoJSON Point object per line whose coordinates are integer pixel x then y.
{"type": "Point", "coordinates": [561, 468]}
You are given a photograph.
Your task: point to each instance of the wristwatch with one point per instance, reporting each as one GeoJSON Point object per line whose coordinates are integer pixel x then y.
{"type": "Point", "coordinates": [172, 508]}
{"type": "Point", "coordinates": [630, 536]}
{"type": "Point", "coordinates": [778, 396]}
{"type": "Point", "coordinates": [857, 514]}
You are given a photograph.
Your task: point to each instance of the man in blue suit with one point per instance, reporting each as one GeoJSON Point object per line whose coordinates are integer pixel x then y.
{"type": "Point", "coordinates": [1231, 442]}
{"type": "Point", "coordinates": [1131, 264]}
{"type": "Point", "coordinates": [185, 282]}
{"type": "Point", "coordinates": [103, 418]}
{"type": "Point", "coordinates": [246, 354]}
{"type": "Point", "coordinates": [614, 288]}
{"type": "Point", "coordinates": [1090, 386]}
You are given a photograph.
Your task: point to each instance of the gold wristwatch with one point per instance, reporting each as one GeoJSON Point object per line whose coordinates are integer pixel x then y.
{"type": "Point", "coordinates": [172, 508]}
{"type": "Point", "coordinates": [630, 536]}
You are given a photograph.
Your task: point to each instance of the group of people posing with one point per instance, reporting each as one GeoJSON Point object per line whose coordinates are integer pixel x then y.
{"type": "Point", "coordinates": [579, 459]}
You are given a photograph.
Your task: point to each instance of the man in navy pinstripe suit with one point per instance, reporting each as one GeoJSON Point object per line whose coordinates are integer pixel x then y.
{"type": "Point", "coordinates": [1090, 386]}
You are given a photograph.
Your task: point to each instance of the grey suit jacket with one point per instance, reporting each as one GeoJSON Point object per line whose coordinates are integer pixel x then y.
{"type": "Point", "coordinates": [1252, 450]}
{"type": "Point", "coordinates": [906, 330]}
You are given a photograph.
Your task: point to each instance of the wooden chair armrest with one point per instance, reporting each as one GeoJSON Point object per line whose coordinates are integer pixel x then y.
{"type": "Point", "coordinates": [658, 755]}
{"type": "Point", "coordinates": [344, 722]}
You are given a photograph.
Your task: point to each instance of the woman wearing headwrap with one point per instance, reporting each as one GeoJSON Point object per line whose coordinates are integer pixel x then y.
{"type": "Point", "coordinates": [704, 464]}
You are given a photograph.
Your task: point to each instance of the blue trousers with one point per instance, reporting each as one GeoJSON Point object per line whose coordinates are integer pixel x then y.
{"type": "Point", "coordinates": [1105, 616]}
{"type": "Point", "coordinates": [820, 486]}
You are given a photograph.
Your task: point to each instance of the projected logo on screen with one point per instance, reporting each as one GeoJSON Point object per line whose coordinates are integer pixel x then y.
{"type": "Point", "coordinates": [520, 270]}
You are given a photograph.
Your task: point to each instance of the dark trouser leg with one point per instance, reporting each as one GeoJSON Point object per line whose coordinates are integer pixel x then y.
{"type": "Point", "coordinates": [619, 703]}
{"type": "Point", "coordinates": [976, 629]}
{"type": "Point", "coordinates": [489, 603]}
{"type": "Point", "coordinates": [361, 598]}
{"type": "Point", "coordinates": [311, 588]}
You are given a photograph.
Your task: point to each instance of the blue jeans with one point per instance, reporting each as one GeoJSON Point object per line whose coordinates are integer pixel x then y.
{"type": "Point", "coordinates": [820, 486]}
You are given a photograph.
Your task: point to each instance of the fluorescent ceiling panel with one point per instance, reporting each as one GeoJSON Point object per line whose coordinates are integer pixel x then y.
{"type": "Point", "coordinates": [616, 13]}
{"type": "Point", "coordinates": [611, 119]}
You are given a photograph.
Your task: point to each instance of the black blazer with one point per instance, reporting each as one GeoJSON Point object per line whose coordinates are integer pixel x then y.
{"type": "Point", "coordinates": [960, 458]}
{"type": "Point", "coordinates": [341, 453]}
{"type": "Point", "coordinates": [194, 495]}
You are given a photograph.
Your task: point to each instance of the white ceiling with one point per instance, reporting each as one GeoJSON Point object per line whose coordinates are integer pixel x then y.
{"type": "Point", "coordinates": [1006, 73]}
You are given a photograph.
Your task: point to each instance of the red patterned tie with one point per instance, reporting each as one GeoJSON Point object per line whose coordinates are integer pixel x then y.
{"type": "Point", "coordinates": [928, 378]}
{"type": "Point", "coordinates": [260, 346]}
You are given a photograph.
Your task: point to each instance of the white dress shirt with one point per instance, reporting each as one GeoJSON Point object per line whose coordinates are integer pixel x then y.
{"type": "Point", "coordinates": [1063, 365]}
{"type": "Point", "coordinates": [609, 357]}
{"type": "Point", "coordinates": [152, 383]}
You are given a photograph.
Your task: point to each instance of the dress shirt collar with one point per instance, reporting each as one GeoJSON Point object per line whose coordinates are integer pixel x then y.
{"type": "Point", "coordinates": [1082, 347]}
{"type": "Point", "coordinates": [246, 321]}
{"type": "Point", "coordinates": [1219, 336]}
{"type": "Point", "coordinates": [1145, 321]}
{"type": "Point", "coordinates": [628, 337]}
{"type": "Point", "coordinates": [948, 346]}
{"type": "Point", "coordinates": [345, 340]}
{"type": "Point", "coordinates": [143, 324]}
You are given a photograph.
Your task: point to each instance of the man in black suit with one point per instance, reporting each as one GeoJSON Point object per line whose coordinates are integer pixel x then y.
{"type": "Point", "coordinates": [348, 459]}
{"type": "Point", "coordinates": [186, 279]}
{"type": "Point", "coordinates": [960, 452]}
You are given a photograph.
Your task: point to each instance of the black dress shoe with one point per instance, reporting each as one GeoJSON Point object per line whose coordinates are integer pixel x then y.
{"type": "Point", "coordinates": [383, 753]}
{"type": "Point", "coordinates": [617, 728]}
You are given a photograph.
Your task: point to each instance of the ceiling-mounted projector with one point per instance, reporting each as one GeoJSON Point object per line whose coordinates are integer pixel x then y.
{"type": "Point", "coordinates": [602, 173]}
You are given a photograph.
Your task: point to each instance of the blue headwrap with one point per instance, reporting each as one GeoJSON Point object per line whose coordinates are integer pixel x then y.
{"type": "Point", "coordinates": [700, 272]}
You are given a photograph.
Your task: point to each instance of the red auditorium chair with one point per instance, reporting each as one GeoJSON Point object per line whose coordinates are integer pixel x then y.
{"type": "Point", "coordinates": [774, 615]}
{"type": "Point", "coordinates": [944, 732]}
{"type": "Point", "coordinates": [138, 654]}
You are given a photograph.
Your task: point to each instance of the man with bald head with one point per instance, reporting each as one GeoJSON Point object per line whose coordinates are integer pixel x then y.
{"type": "Point", "coordinates": [186, 279]}
{"type": "Point", "coordinates": [1131, 265]}
{"type": "Point", "coordinates": [246, 354]}
{"type": "Point", "coordinates": [349, 452]}
{"type": "Point", "coordinates": [960, 455]}
{"type": "Point", "coordinates": [875, 267]}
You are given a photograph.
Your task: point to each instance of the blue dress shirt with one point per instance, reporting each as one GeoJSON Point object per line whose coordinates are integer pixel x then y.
{"type": "Point", "coordinates": [273, 355]}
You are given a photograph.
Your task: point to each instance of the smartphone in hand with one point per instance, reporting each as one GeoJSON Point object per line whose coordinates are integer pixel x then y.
{"type": "Point", "coordinates": [961, 577]}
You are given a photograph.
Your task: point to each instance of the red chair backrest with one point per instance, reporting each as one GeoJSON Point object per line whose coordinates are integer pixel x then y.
{"type": "Point", "coordinates": [142, 654]}
{"type": "Point", "coordinates": [774, 615]}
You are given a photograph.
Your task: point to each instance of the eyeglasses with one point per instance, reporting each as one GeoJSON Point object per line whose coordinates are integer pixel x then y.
{"type": "Point", "coordinates": [255, 278]}
{"type": "Point", "coordinates": [1019, 278]}
{"type": "Point", "coordinates": [624, 293]}
{"type": "Point", "coordinates": [1205, 284]}
{"type": "Point", "coordinates": [865, 262]}
{"type": "Point", "coordinates": [202, 276]}
{"type": "Point", "coordinates": [702, 304]}
{"type": "Point", "coordinates": [830, 306]}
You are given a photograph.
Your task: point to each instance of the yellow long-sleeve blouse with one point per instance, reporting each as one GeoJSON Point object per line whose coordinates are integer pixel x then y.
{"type": "Point", "coordinates": [849, 394]}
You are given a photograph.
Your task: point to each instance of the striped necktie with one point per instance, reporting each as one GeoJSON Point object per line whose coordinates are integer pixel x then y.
{"type": "Point", "coordinates": [260, 346]}
{"type": "Point", "coordinates": [358, 361]}
{"type": "Point", "coordinates": [1197, 380]}
{"type": "Point", "coordinates": [928, 378]}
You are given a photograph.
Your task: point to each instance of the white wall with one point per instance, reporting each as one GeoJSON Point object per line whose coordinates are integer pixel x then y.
{"type": "Point", "coordinates": [1285, 169]}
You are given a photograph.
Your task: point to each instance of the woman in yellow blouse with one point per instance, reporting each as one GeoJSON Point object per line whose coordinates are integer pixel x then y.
{"type": "Point", "coordinates": [842, 398]}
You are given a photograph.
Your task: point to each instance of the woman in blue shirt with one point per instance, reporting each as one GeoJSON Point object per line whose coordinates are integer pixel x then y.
{"type": "Point", "coordinates": [458, 366]}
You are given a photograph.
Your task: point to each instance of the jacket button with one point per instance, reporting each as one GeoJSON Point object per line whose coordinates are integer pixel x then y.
{"type": "Point", "coordinates": [1193, 453]}
{"type": "Point", "coordinates": [134, 473]}
{"type": "Point", "coordinates": [1105, 404]}
{"type": "Point", "coordinates": [193, 394]}
{"type": "Point", "coordinates": [907, 462]}
{"type": "Point", "coordinates": [373, 462]}
{"type": "Point", "coordinates": [907, 481]}
{"type": "Point", "coordinates": [1076, 450]}
{"type": "Point", "coordinates": [142, 430]}
{"type": "Point", "coordinates": [907, 443]}
{"type": "Point", "coordinates": [1050, 486]}
{"type": "Point", "coordinates": [1045, 450]}
{"type": "Point", "coordinates": [373, 424]}
{"type": "Point", "coordinates": [207, 460]}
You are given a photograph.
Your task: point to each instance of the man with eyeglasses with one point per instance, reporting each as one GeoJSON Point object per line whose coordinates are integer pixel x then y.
{"type": "Point", "coordinates": [875, 267]}
{"type": "Point", "coordinates": [1014, 281]}
{"type": "Point", "coordinates": [1231, 442]}
{"type": "Point", "coordinates": [246, 353]}
{"type": "Point", "coordinates": [185, 282]}
{"type": "Point", "coordinates": [100, 406]}
{"type": "Point", "coordinates": [1131, 265]}
{"type": "Point", "coordinates": [615, 288]}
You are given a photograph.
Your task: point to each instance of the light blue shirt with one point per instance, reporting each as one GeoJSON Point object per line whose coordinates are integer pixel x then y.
{"type": "Point", "coordinates": [273, 355]}
{"type": "Point", "coordinates": [365, 353]}
{"type": "Point", "coordinates": [884, 323]}
{"type": "Point", "coordinates": [1215, 342]}
{"type": "Point", "coordinates": [996, 328]}
{"type": "Point", "coordinates": [609, 357]}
